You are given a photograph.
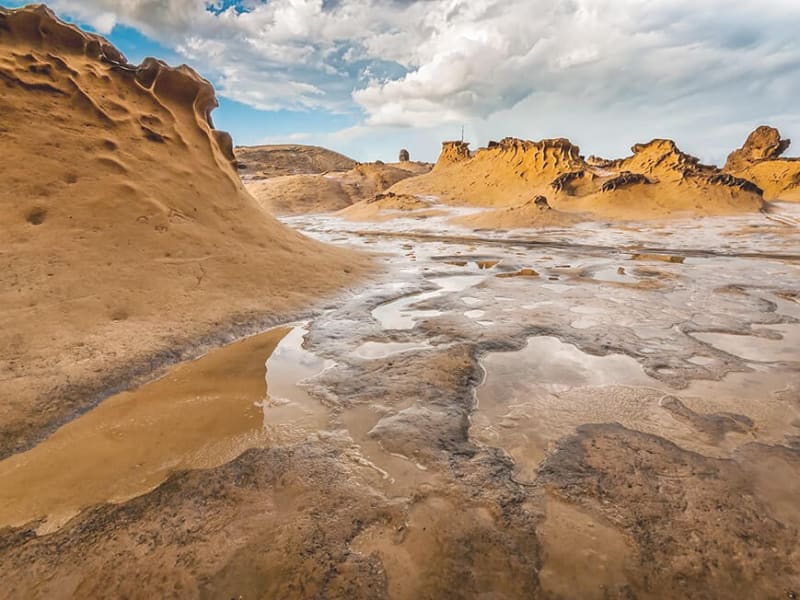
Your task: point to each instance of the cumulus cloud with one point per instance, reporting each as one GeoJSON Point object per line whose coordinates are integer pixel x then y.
{"type": "Point", "coordinates": [403, 63]}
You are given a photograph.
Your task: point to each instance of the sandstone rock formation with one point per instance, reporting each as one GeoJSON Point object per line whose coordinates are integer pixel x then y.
{"type": "Point", "coordinates": [534, 212]}
{"type": "Point", "coordinates": [453, 152]}
{"type": "Point", "coordinates": [128, 239]}
{"type": "Point", "coordinates": [760, 161]}
{"type": "Point", "coordinates": [658, 180]}
{"type": "Point", "coordinates": [387, 205]}
{"type": "Point", "coordinates": [404, 156]}
{"type": "Point", "coordinates": [764, 143]}
{"type": "Point", "coordinates": [506, 173]}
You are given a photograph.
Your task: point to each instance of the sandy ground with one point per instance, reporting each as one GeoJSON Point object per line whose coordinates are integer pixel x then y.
{"type": "Point", "coordinates": [129, 241]}
{"type": "Point", "coordinates": [620, 422]}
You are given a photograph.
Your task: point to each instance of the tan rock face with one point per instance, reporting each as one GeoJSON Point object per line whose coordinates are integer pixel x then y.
{"type": "Point", "coordinates": [126, 231]}
{"type": "Point", "coordinates": [453, 152]}
{"type": "Point", "coordinates": [764, 143]}
{"type": "Point", "coordinates": [657, 181]}
{"type": "Point", "coordinates": [760, 160]}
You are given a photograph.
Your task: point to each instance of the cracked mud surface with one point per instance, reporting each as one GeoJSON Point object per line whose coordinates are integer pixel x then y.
{"type": "Point", "coordinates": [621, 422]}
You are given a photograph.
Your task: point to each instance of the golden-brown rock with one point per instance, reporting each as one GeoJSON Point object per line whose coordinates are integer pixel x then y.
{"type": "Point", "coordinates": [453, 152]}
{"type": "Point", "coordinates": [760, 161]}
{"type": "Point", "coordinates": [764, 143]}
{"type": "Point", "coordinates": [128, 239]}
{"type": "Point", "coordinates": [657, 181]}
{"type": "Point", "coordinates": [507, 173]}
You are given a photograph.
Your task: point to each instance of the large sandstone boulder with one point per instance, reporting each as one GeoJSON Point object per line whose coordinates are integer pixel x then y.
{"type": "Point", "coordinates": [760, 160]}
{"type": "Point", "coordinates": [764, 143]}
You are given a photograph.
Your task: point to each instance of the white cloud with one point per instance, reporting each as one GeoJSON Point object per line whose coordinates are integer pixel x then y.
{"type": "Point", "coordinates": [622, 68]}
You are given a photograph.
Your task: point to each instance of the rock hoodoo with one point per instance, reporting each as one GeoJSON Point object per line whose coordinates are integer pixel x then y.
{"type": "Point", "coordinates": [764, 143]}
{"type": "Point", "coordinates": [761, 161]}
{"type": "Point", "coordinates": [404, 155]}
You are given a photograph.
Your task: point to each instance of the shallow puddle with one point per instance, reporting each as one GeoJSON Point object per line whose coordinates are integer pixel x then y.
{"type": "Point", "coordinates": [769, 398]}
{"type": "Point", "coordinates": [384, 349]}
{"type": "Point", "coordinates": [400, 314]}
{"type": "Point", "coordinates": [475, 314]}
{"type": "Point", "coordinates": [583, 557]}
{"type": "Point", "coordinates": [758, 349]}
{"type": "Point", "coordinates": [201, 414]}
{"type": "Point", "coordinates": [470, 300]}
{"type": "Point", "coordinates": [557, 366]}
{"type": "Point", "coordinates": [612, 275]}
{"type": "Point", "coordinates": [532, 398]}
{"type": "Point", "coordinates": [290, 414]}
{"type": "Point", "coordinates": [398, 473]}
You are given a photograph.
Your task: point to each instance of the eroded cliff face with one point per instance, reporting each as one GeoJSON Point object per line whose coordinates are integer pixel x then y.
{"type": "Point", "coordinates": [523, 158]}
{"type": "Point", "coordinates": [505, 172]}
{"type": "Point", "coordinates": [658, 180]}
{"type": "Point", "coordinates": [453, 152]}
{"type": "Point", "coordinates": [761, 161]}
{"type": "Point", "coordinates": [127, 231]}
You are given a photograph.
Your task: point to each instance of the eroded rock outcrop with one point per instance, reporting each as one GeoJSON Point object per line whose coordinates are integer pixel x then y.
{"type": "Point", "coordinates": [330, 191]}
{"type": "Point", "coordinates": [127, 234]}
{"type": "Point", "coordinates": [761, 161]}
{"type": "Point", "coordinates": [506, 172]}
{"type": "Point", "coordinates": [764, 143]}
{"type": "Point", "coordinates": [625, 178]}
{"type": "Point", "coordinates": [662, 159]}
{"type": "Point", "coordinates": [658, 180]}
{"type": "Point", "coordinates": [453, 152]}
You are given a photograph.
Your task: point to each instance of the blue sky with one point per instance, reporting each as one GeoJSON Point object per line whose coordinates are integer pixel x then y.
{"type": "Point", "coordinates": [367, 77]}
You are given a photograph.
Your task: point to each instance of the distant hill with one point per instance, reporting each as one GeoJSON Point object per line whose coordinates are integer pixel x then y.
{"type": "Point", "coordinates": [305, 193]}
{"type": "Point", "coordinates": [266, 162]}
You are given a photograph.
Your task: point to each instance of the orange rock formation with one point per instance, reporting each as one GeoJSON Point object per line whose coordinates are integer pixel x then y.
{"type": "Point", "coordinates": [760, 160]}
{"type": "Point", "coordinates": [127, 234]}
